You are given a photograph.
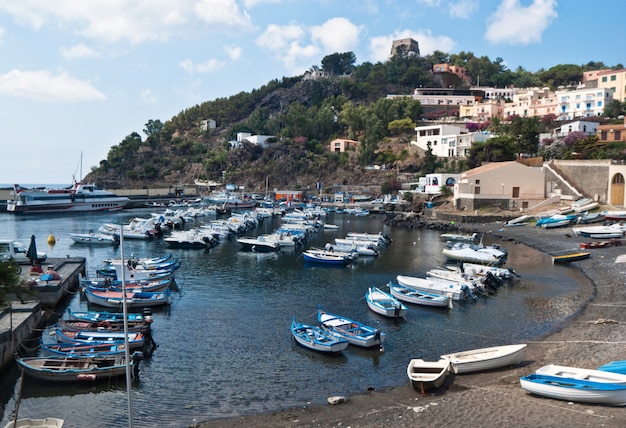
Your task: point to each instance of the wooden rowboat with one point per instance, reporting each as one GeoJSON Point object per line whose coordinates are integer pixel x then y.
{"type": "Point", "coordinates": [427, 374]}
{"type": "Point", "coordinates": [486, 358]}
{"type": "Point", "coordinates": [571, 257]}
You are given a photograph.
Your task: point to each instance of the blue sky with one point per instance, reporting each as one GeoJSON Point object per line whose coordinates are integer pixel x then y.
{"type": "Point", "coordinates": [77, 76]}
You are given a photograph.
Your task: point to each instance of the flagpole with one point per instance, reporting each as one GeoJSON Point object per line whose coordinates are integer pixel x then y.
{"type": "Point", "coordinates": [126, 341]}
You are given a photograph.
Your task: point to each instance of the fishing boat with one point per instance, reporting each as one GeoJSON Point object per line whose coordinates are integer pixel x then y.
{"type": "Point", "coordinates": [615, 230]}
{"type": "Point", "coordinates": [36, 423]}
{"type": "Point", "coordinates": [482, 359]}
{"type": "Point", "coordinates": [104, 316]}
{"type": "Point", "coordinates": [475, 269]}
{"type": "Point", "coordinates": [410, 295]}
{"type": "Point", "coordinates": [571, 257]}
{"type": "Point", "coordinates": [618, 366]}
{"type": "Point", "coordinates": [74, 369]}
{"type": "Point", "coordinates": [114, 299]}
{"type": "Point", "coordinates": [518, 221]}
{"type": "Point", "coordinates": [354, 332]}
{"type": "Point", "coordinates": [77, 325]}
{"type": "Point", "coordinates": [82, 349]}
{"type": "Point", "coordinates": [94, 238]}
{"type": "Point", "coordinates": [316, 338]}
{"type": "Point", "coordinates": [384, 304]}
{"type": "Point", "coordinates": [78, 197]}
{"type": "Point", "coordinates": [135, 286]}
{"type": "Point", "coordinates": [135, 339]}
{"type": "Point", "coordinates": [582, 374]}
{"type": "Point", "coordinates": [570, 389]}
{"type": "Point", "coordinates": [426, 375]}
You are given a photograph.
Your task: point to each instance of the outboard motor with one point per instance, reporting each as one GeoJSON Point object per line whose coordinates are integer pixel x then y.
{"type": "Point", "coordinates": [469, 293]}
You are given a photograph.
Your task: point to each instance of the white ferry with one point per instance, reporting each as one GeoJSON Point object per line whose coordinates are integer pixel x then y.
{"type": "Point", "coordinates": [79, 197]}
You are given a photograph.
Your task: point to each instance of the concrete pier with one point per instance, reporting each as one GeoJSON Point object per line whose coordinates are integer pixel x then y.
{"type": "Point", "coordinates": [23, 319]}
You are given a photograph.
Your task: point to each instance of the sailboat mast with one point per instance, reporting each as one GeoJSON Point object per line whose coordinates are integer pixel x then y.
{"type": "Point", "coordinates": [126, 341]}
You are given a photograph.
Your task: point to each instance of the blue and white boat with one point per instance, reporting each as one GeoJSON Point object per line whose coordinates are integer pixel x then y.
{"type": "Point", "coordinates": [83, 349]}
{"type": "Point", "coordinates": [384, 304]}
{"type": "Point", "coordinates": [570, 389]}
{"type": "Point", "coordinates": [96, 316]}
{"type": "Point", "coordinates": [317, 339]}
{"type": "Point", "coordinates": [354, 332]}
{"type": "Point", "coordinates": [328, 257]}
{"type": "Point", "coordinates": [556, 220]}
{"type": "Point", "coordinates": [135, 338]}
{"type": "Point", "coordinates": [114, 299]}
{"type": "Point", "coordinates": [614, 367]}
{"type": "Point", "coordinates": [411, 295]}
{"type": "Point", "coordinates": [74, 369]}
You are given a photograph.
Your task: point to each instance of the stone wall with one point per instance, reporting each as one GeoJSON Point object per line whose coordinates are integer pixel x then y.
{"type": "Point", "coordinates": [590, 177]}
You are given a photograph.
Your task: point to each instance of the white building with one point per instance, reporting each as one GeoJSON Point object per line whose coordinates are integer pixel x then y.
{"type": "Point", "coordinates": [564, 130]}
{"type": "Point", "coordinates": [207, 124]}
{"type": "Point", "coordinates": [260, 140]}
{"type": "Point", "coordinates": [431, 183]}
{"type": "Point", "coordinates": [447, 141]}
{"type": "Point", "coordinates": [584, 102]}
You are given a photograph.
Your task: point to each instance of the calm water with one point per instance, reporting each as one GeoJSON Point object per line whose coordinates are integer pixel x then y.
{"type": "Point", "coordinates": [225, 348]}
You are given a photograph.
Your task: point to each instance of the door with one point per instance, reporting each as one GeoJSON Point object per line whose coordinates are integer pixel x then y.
{"type": "Point", "coordinates": [617, 189]}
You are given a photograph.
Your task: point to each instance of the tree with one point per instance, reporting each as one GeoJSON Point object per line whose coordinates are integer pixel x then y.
{"type": "Point", "coordinates": [153, 127]}
{"type": "Point", "coordinates": [429, 165]}
{"type": "Point", "coordinates": [497, 149]}
{"type": "Point", "coordinates": [10, 282]}
{"type": "Point", "coordinates": [614, 109]}
{"type": "Point", "coordinates": [339, 63]}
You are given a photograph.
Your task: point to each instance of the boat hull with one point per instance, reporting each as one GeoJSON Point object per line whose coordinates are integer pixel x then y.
{"type": "Point", "coordinates": [384, 304]}
{"type": "Point", "coordinates": [79, 369]}
{"type": "Point", "coordinates": [574, 390]}
{"type": "Point", "coordinates": [425, 375]}
{"type": "Point", "coordinates": [483, 359]}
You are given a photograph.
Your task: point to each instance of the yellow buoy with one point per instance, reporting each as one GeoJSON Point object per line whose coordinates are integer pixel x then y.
{"type": "Point", "coordinates": [51, 240]}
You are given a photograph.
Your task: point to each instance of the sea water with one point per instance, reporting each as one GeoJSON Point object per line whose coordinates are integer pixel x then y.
{"type": "Point", "coordinates": [225, 347]}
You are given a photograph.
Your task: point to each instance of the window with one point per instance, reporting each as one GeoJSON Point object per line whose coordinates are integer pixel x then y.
{"type": "Point", "coordinates": [515, 192]}
{"type": "Point", "coordinates": [588, 105]}
{"type": "Point", "coordinates": [618, 135]}
{"type": "Point", "coordinates": [604, 79]}
{"type": "Point", "coordinates": [477, 181]}
{"type": "Point", "coordinates": [477, 190]}
{"type": "Point", "coordinates": [603, 135]}
{"type": "Point", "coordinates": [613, 77]}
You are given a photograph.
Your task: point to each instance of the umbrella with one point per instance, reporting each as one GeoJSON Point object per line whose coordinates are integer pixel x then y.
{"type": "Point", "coordinates": [32, 251]}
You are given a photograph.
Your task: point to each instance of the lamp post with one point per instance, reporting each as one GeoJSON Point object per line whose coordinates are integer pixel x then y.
{"type": "Point", "coordinates": [502, 189]}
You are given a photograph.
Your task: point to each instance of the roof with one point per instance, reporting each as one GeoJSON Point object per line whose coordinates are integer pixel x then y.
{"type": "Point", "coordinates": [489, 167]}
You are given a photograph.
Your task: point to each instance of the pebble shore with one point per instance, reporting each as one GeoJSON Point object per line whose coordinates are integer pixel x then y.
{"type": "Point", "coordinates": [594, 335]}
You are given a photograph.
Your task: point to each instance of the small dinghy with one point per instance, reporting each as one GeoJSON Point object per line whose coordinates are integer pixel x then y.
{"type": "Point", "coordinates": [316, 338]}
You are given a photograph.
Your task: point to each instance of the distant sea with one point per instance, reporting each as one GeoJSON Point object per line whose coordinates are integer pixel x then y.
{"type": "Point", "coordinates": [30, 186]}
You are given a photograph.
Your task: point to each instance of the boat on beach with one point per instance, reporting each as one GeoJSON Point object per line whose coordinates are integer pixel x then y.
{"type": "Point", "coordinates": [482, 359]}
{"type": "Point", "coordinates": [425, 375]}
{"type": "Point", "coordinates": [571, 389]}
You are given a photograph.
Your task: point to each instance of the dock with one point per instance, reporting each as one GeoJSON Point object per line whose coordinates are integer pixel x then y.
{"type": "Point", "coordinates": [23, 319]}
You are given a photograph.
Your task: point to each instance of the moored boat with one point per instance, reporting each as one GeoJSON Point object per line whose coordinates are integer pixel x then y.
{"type": "Point", "coordinates": [94, 238]}
{"type": "Point", "coordinates": [486, 358]}
{"type": "Point", "coordinates": [410, 295]}
{"type": "Point", "coordinates": [82, 349]}
{"type": "Point", "coordinates": [135, 339]}
{"type": "Point", "coordinates": [317, 339]}
{"type": "Point", "coordinates": [327, 257]}
{"type": "Point", "coordinates": [426, 375]}
{"type": "Point", "coordinates": [452, 290]}
{"type": "Point", "coordinates": [79, 197]}
{"type": "Point", "coordinates": [355, 332]}
{"type": "Point", "coordinates": [384, 304]}
{"type": "Point", "coordinates": [115, 299]}
{"type": "Point", "coordinates": [36, 423]}
{"type": "Point", "coordinates": [74, 369]}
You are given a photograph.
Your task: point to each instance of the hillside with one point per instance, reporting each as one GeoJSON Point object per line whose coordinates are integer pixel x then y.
{"type": "Point", "coordinates": [304, 115]}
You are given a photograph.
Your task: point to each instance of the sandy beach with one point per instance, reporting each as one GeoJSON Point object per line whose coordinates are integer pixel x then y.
{"type": "Point", "coordinates": [594, 336]}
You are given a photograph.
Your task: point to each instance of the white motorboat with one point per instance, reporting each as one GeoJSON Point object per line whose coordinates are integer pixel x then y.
{"type": "Point", "coordinates": [452, 290]}
{"type": "Point", "coordinates": [92, 238]}
{"type": "Point", "coordinates": [259, 244]}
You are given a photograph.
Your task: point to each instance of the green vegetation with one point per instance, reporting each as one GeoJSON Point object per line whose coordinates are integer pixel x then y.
{"type": "Point", "coordinates": [10, 282]}
{"type": "Point", "coordinates": [305, 115]}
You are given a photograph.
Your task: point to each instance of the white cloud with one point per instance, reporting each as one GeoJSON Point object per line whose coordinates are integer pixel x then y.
{"type": "Point", "coordinates": [135, 22]}
{"type": "Point", "coordinates": [199, 68]}
{"type": "Point", "coordinates": [221, 12]}
{"type": "Point", "coordinates": [233, 52]}
{"type": "Point", "coordinates": [380, 47]}
{"type": "Point", "coordinates": [251, 3]}
{"type": "Point", "coordinates": [44, 86]}
{"type": "Point", "coordinates": [286, 43]}
{"type": "Point", "coordinates": [336, 35]}
{"type": "Point", "coordinates": [148, 96]}
{"type": "Point", "coordinates": [78, 51]}
{"type": "Point", "coordinates": [517, 25]}
{"type": "Point", "coordinates": [463, 9]}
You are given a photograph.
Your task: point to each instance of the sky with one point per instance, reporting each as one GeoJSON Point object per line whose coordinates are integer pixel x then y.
{"type": "Point", "coordinates": [78, 76]}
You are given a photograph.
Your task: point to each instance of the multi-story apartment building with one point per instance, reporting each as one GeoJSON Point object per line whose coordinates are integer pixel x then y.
{"type": "Point", "coordinates": [442, 97]}
{"type": "Point", "coordinates": [583, 102]}
{"type": "Point", "coordinates": [447, 141]}
{"type": "Point", "coordinates": [483, 111]}
{"type": "Point", "coordinates": [531, 102]}
{"type": "Point", "coordinates": [608, 79]}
